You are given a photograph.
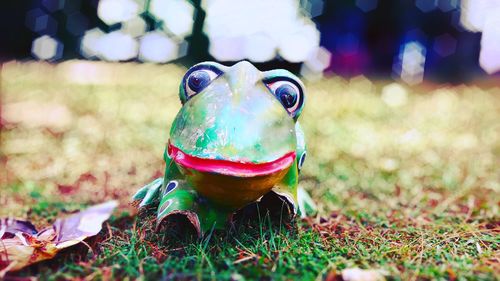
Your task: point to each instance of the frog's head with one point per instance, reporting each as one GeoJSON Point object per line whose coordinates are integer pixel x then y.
{"type": "Point", "coordinates": [236, 121]}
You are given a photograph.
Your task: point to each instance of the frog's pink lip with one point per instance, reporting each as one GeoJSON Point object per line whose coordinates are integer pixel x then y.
{"type": "Point", "coordinates": [230, 168]}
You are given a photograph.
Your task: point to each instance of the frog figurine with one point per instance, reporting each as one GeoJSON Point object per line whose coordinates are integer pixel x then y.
{"type": "Point", "coordinates": [235, 139]}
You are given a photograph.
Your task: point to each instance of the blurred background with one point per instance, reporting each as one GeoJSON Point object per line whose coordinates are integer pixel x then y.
{"type": "Point", "coordinates": [400, 94]}
{"type": "Point", "coordinates": [446, 41]}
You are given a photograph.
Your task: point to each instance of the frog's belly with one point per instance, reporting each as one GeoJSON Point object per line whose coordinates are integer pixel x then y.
{"type": "Point", "coordinates": [231, 191]}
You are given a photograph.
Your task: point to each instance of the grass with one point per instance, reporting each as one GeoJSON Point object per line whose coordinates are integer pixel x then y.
{"type": "Point", "coordinates": [406, 181]}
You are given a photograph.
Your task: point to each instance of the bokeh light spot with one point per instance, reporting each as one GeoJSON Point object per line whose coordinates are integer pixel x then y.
{"type": "Point", "coordinates": [489, 56]}
{"type": "Point", "coordinates": [319, 60]}
{"type": "Point", "coordinates": [227, 48]}
{"type": "Point", "coordinates": [177, 15]}
{"type": "Point", "coordinates": [46, 48]}
{"type": "Point", "coordinates": [394, 95]}
{"type": "Point", "coordinates": [229, 25]}
{"type": "Point", "coordinates": [158, 47]}
{"type": "Point", "coordinates": [410, 62]}
{"type": "Point", "coordinates": [297, 46]}
{"type": "Point", "coordinates": [38, 21]}
{"type": "Point", "coordinates": [32, 16]}
{"type": "Point", "coordinates": [474, 13]}
{"type": "Point", "coordinates": [115, 11]}
{"type": "Point", "coordinates": [135, 27]}
{"type": "Point", "coordinates": [316, 63]}
{"type": "Point", "coordinates": [260, 47]}
{"type": "Point", "coordinates": [117, 46]}
{"type": "Point", "coordinates": [90, 43]}
{"type": "Point", "coordinates": [314, 8]}
{"type": "Point", "coordinates": [41, 22]}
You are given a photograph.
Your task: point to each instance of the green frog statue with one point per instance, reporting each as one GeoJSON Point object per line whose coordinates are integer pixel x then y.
{"type": "Point", "coordinates": [235, 140]}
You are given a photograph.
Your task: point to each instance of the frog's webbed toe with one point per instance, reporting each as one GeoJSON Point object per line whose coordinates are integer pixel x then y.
{"type": "Point", "coordinates": [148, 193]}
{"type": "Point", "coordinates": [178, 208]}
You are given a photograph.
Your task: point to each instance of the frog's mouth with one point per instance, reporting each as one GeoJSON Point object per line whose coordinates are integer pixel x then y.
{"type": "Point", "coordinates": [230, 168]}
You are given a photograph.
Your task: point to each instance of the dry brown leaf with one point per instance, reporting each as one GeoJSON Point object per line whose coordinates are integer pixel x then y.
{"type": "Point", "coordinates": [21, 245]}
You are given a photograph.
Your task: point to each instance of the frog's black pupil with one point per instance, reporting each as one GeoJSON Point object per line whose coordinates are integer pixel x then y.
{"type": "Point", "coordinates": [287, 94]}
{"type": "Point", "coordinates": [198, 80]}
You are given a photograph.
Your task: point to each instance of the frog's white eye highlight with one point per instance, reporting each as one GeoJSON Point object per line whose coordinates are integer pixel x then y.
{"type": "Point", "coordinates": [199, 80]}
{"type": "Point", "coordinates": [287, 93]}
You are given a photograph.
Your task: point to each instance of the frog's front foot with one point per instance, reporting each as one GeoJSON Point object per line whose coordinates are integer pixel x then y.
{"type": "Point", "coordinates": [179, 205]}
{"type": "Point", "coordinates": [148, 193]}
{"type": "Point", "coordinates": [176, 203]}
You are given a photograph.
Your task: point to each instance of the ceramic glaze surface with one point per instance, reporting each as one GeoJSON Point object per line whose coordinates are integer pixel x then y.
{"type": "Point", "coordinates": [235, 139]}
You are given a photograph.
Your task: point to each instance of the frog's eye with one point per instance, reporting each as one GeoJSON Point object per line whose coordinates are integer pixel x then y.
{"type": "Point", "coordinates": [288, 94]}
{"type": "Point", "coordinates": [197, 80]}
